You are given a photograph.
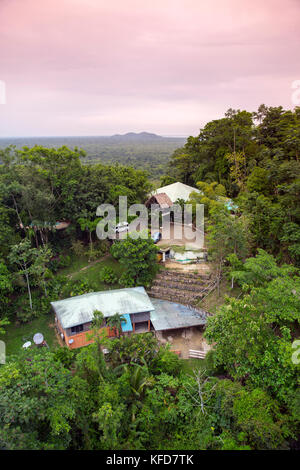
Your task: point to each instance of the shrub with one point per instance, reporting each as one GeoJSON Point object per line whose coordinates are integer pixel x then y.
{"type": "Point", "coordinates": [65, 261]}
{"type": "Point", "coordinates": [166, 362]}
{"type": "Point", "coordinates": [78, 288]}
{"type": "Point", "coordinates": [78, 248]}
{"type": "Point", "coordinates": [65, 355]}
{"type": "Point", "coordinates": [108, 276]}
{"type": "Point", "coordinates": [54, 264]}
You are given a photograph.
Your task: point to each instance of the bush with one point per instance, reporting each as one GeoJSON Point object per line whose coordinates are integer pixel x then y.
{"type": "Point", "coordinates": [166, 362]}
{"type": "Point", "coordinates": [126, 281]}
{"type": "Point", "coordinates": [65, 355]}
{"type": "Point", "coordinates": [211, 367]}
{"type": "Point", "coordinates": [78, 248]}
{"type": "Point", "coordinates": [22, 311]}
{"type": "Point", "coordinates": [65, 261]}
{"type": "Point", "coordinates": [55, 286]}
{"type": "Point", "coordinates": [102, 246]}
{"type": "Point", "coordinates": [108, 276]}
{"type": "Point", "coordinates": [54, 264]}
{"type": "Point", "coordinates": [78, 288]}
{"type": "Point", "coordinates": [59, 261]}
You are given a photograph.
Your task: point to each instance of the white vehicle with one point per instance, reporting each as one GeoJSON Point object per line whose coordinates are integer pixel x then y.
{"type": "Point", "coordinates": [122, 227]}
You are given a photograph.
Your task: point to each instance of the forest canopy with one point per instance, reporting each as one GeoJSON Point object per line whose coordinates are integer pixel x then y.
{"type": "Point", "coordinates": [139, 395]}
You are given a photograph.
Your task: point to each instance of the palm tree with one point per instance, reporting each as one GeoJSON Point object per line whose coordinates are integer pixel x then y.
{"type": "Point", "coordinates": [140, 379]}
{"type": "Point", "coordinates": [115, 321]}
{"type": "Point", "coordinates": [98, 334]}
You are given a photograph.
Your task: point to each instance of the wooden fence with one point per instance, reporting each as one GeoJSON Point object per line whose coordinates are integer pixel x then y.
{"type": "Point", "coordinates": [197, 354]}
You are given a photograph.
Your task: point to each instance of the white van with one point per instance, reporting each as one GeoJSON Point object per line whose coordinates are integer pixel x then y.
{"type": "Point", "coordinates": [122, 227]}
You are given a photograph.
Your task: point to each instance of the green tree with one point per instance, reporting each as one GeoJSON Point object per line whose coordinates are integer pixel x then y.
{"type": "Point", "coordinates": [115, 322]}
{"type": "Point", "coordinates": [138, 257]}
{"type": "Point", "coordinates": [23, 256]}
{"type": "Point", "coordinates": [139, 380]}
{"type": "Point", "coordinates": [226, 235]}
{"type": "Point", "coordinates": [36, 409]}
{"type": "Point", "coordinates": [260, 270]}
{"type": "Point", "coordinates": [90, 225]}
{"type": "Point", "coordinates": [249, 347]}
{"type": "Point", "coordinates": [258, 181]}
{"type": "Point", "coordinates": [109, 422]}
{"type": "Point", "coordinates": [6, 286]}
{"type": "Point", "coordinates": [259, 418]}
{"type": "Point", "coordinates": [40, 267]}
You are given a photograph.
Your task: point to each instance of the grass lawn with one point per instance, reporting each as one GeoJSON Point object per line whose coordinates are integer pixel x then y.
{"type": "Point", "coordinates": [91, 273]}
{"type": "Point", "coordinates": [77, 263]}
{"type": "Point", "coordinates": [188, 365]}
{"type": "Point", "coordinates": [16, 336]}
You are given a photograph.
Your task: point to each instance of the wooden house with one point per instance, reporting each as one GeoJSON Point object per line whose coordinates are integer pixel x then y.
{"type": "Point", "coordinates": [74, 316]}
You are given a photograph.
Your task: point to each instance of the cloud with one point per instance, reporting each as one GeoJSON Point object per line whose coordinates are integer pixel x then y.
{"type": "Point", "coordinates": [93, 66]}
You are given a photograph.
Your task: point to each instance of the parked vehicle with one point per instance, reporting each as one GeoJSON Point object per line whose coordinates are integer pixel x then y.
{"type": "Point", "coordinates": [156, 237]}
{"type": "Point", "coordinates": [122, 227]}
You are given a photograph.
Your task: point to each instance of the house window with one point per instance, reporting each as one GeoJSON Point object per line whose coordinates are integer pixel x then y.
{"type": "Point", "coordinates": [76, 329]}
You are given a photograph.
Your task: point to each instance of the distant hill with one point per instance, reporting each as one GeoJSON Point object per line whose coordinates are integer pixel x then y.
{"type": "Point", "coordinates": [133, 136]}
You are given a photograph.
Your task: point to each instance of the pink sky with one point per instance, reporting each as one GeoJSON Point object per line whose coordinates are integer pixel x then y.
{"type": "Point", "coordinates": [99, 67]}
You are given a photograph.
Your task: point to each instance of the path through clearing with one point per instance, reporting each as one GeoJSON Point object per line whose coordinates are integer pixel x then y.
{"type": "Point", "coordinates": [88, 266]}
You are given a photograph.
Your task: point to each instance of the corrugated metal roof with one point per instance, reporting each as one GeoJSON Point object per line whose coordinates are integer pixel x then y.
{"type": "Point", "coordinates": [162, 199]}
{"type": "Point", "coordinates": [170, 315]}
{"type": "Point", "coordinates": [77, 310]}
{"type": "Point", "coordinates": [177, 191]}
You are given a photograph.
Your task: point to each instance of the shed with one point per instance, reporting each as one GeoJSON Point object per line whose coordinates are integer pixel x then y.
{"type": "Point", "coordinates": [170, 315]}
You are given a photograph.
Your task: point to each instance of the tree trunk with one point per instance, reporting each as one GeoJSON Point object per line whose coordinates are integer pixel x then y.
{"type": "Point", "coordinates": [36, 237]}
{"type": "Point", "coordinates": [91, 243]}
{"type": "Point", "coordinates": [29, 291]}
{"type": "Point", "coordinates": [17, 212]}
{"type": "Point", "coordinates": [42, 238]}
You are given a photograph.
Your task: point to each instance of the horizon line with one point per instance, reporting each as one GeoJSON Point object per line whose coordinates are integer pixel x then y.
{"type": "Point", "coordinates": [79, 136]}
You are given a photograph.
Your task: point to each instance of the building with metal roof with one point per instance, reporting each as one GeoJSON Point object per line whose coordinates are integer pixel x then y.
{"type": "Point", "coordinates": [170, 316]}
{"type": "Point", "coordinates": [176, 191]}
{"type": "Point", "coordinates": [138, 313]}
{"type": "Point", "coordinates": [161, 199]}
{"type": "Point", "coordinates": [78, 310]}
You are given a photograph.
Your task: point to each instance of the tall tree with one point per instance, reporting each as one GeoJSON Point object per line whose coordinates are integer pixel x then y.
{"type": "Point", "coordinates": [23, 256]}
{"type": "Point", "coordinates": [138, 257]}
